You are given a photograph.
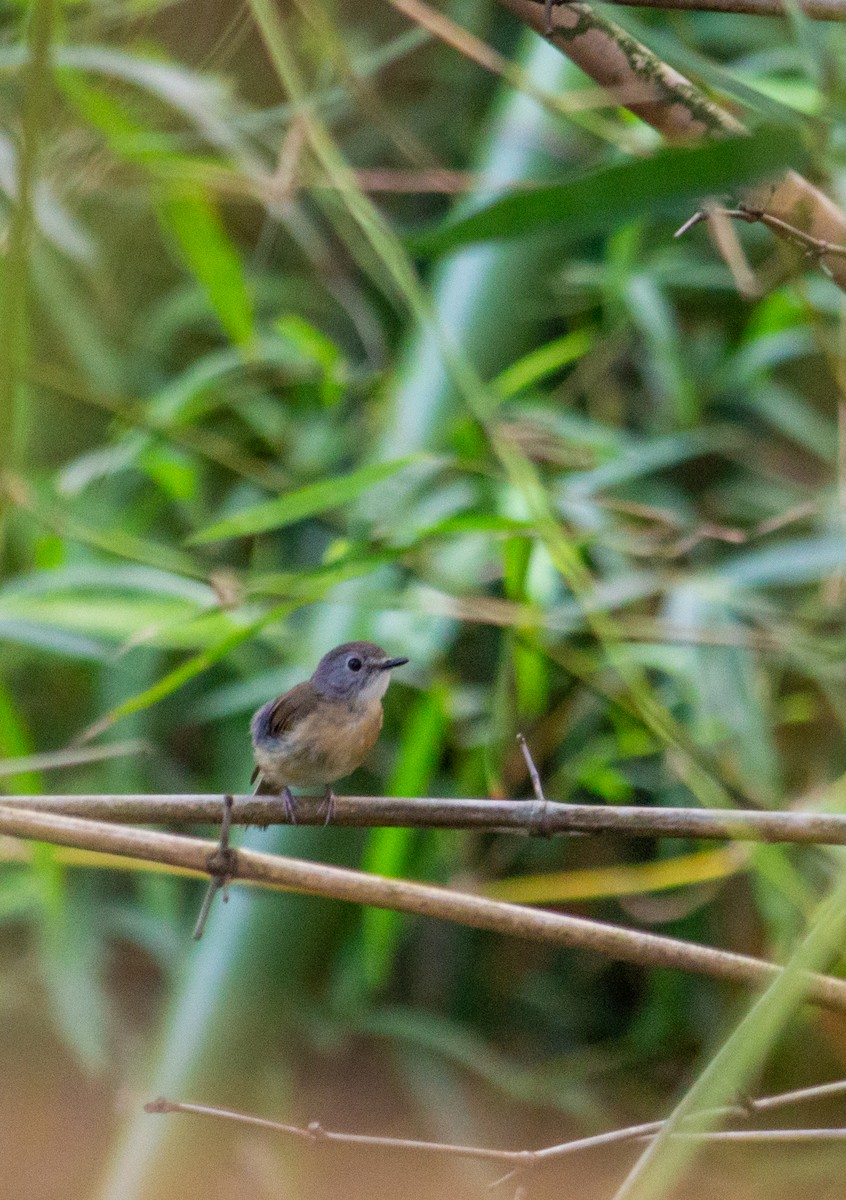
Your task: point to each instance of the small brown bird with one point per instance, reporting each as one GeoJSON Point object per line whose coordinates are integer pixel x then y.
{"type": "Point", "coordinates": [324, 728]}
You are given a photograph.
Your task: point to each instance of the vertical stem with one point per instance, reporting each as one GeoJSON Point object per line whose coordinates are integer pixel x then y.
{"type": "Point", "coordinates": [15, 281]}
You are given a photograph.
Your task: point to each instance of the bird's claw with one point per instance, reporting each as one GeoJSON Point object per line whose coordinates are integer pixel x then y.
{"type": "Point", "coordinates": [328, 802]}
{"type": "Point", "coordinates": [290, 807]}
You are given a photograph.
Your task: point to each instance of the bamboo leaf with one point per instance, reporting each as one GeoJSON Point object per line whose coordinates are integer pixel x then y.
{"type": "Point", "coordinates": [310, 501]}
{"type": "Point", "coordinates": [185, 671]}
{"type": "Point", "coordinates": [212, 258]}
{"type": "Point", "coordinates": [601, 200]}
{"type": "Point", "coordinates": [542, 362]}
{"type": "Point", "coordinates": [626, 879]}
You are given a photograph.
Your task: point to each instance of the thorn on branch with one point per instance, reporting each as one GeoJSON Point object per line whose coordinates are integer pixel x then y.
{"type": "Point", "coordinates": [221, 868]}
{"type": "Point", "coordinates": [541, 825]}
{"type": "Point", "coordinates": [690, 223]}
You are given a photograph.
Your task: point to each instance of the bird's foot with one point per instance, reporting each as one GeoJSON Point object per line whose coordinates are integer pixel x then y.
{"type": "Point", "coordinates": [290, 807]}
{"type": "Point", "coordinates": [328, 802]}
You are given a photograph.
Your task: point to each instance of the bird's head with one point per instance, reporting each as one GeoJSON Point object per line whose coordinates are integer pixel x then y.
{"type": "Point", "coordinates": [355, 671]}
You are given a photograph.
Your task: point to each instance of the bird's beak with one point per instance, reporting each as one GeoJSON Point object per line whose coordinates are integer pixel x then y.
{"type": "Point", "coordinates": [390, 663]}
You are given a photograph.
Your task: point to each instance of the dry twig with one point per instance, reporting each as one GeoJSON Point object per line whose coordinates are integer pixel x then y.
{"type": "Point", "coordinates": [515, 816]}
{"type": "Point", "coordinates": [818, 247]}
{"type": "Point", "coordinates": [522, 1160]}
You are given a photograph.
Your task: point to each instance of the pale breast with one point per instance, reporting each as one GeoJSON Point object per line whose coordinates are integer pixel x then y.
{"type": "Point", "coordinates": [324, 746]}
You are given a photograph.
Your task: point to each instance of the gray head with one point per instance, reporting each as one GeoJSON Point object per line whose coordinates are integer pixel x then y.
{"type": "Point", "coordinates": [355, 670]}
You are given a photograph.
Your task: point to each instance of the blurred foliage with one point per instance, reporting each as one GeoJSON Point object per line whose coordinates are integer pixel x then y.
{"type": "Point", "coordinates": [593, 492]}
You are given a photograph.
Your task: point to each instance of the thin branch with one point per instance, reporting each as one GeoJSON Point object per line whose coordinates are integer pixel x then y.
{"type": "Point", "coordinates": [414, 182]}
{"type": "Point", "coordinates": [427, 900]}
{"type": "Point", "coordinates": [725, 238]}
{"type": "Point", "coordinates": [747, 1108]}
{"type": "Point", "coordinates": [812, 245]}
{"type": "Point", "coordinates": [516, 816]}
{"type": "Point", "coordinates": [59, 760]}
{"type": "Point", "coordinates": [767, 1135]}
{"type": "Point", "coordinates": [314, 1133]}
{"type": "Point", "coordinates": [818, 10]}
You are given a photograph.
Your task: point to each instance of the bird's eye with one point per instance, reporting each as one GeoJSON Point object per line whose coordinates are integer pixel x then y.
{"type": "Point", "coordinates": [354, 664]}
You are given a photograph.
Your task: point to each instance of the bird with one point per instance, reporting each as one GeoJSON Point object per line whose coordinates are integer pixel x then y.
{"type": "Point", "coordinates": [323, 728]}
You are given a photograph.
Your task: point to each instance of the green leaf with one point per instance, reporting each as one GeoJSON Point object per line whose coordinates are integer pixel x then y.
{"type": "Point", "coordinates": [212, 258]}
{"type": "Point", "coordinates": [603, 199]}
{"type": "Point", "coordinates": [52, 512]}
{"type": "Point", "coordinates": [314, 347]}
{"type": "Point", "coordinates": [302, 584]}
{"type": "Point", "coordinates": [117, 618]}
{"type": "Point", "coordinates": [186, 671]}
{"type": "Point", "coordinates": [544, 361]}
{"type": "Point", "coordinates": [15, 742]}
{"type": "Point", "coordinates": [111, 115]}
{"type": "Point", "coordinates": [296, 506]}
{"type": "Point", "coordinates": [53, 641]}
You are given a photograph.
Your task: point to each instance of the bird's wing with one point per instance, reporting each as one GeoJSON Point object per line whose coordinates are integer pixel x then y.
{"type": "Point", "coordinates": [291, 708]}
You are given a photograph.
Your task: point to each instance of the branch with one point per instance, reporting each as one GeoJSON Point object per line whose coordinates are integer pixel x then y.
{"type": "Point", "coordinates": [314, 1133]}
{"type": "Point", "coordinates": [339, 883]}
{"type": "Point", "coordinates": [540, 817]}
{"type": "Point", "coordinates": [811, 245]}
{"type": "Point", "coordinates": [678, 110]}
{"type": "Point", "coordinates": [818, 10]}
{"type": "Point", "coordinates": [617, 62]}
